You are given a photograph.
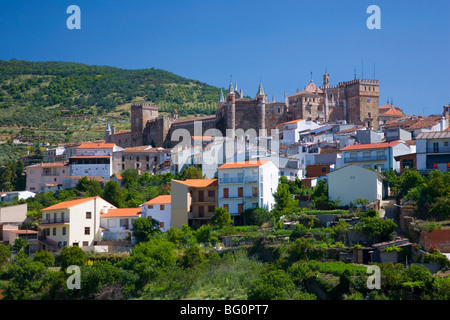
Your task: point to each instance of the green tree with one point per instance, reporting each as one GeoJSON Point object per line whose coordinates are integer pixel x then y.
{"type": "Point", "coordinates": [5, 254]}
{"type": "Point", "coordinates": [45, 257]}
{"type": "Point", "coordinates": [192, 173]}
{"type": "Point", "coordinates": [203, 234]}
{"type": "Point", "coordinates": [258, 216]}
{"type": "Point", "coordinates": [284, 202]}
{"type": "Point", "coordinates": [378, 229]}
{"type": "Point", "coordinates": [221, 218]}
{"type": "Point", "coordinates": [192, 256]}
{"type": "Point", "coordinates": [299, 249]}
{"type": "Point", "coordinates": [319, 195]}
{"type": "Point", "coordinates": [441, 207]}
{"type": "Point", "coordinates": [113, 194]}
{"type": "Point", "coordinates": [72, 256]}
{"type": "Point", "coordinates": [144, 229]}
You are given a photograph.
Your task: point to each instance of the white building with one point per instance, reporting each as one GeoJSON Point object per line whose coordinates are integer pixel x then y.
{"type": "Point", "coordinates": [433, 151]}
{"type": "Point", "coordinates": [290, 131]}
{"type": "Point", "coordinates": [73, 223]}
{"type": "Point", "coordinates": [353, 182]}
{"type": "Point", "coordinates": [374, 155]}
{"type": "Point", "coordinates": [91, 166]}
{"type": "Point", "coordinates": [116, 224]}
{"type": "Point", "coordinates": [21, 195]}
{"type": "Point", "coordinates": [159, 209]}
{"type": "Point", "coordinates": [247, 184]}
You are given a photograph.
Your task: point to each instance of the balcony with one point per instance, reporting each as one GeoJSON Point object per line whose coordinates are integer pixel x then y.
{"type": "Point", "coordinates": [239, 179]}
{"type": "Point", "coordinates": [361, 159]}
{"type": "Point", "coordinates": [64, 220]}
{"type": "Point", "coordinates": [438, 149]}
{"type": "Point", "coordinates": [231, 180]}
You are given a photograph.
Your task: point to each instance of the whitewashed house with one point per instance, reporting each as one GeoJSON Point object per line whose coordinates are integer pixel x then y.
{"type": "Point", "coordinates": [116, 224]}
{"type": "Point", "coordinates": [433, 151]}
{"type": "Point", "coordinates": [160, 209]}
{"type": "Point", "coordinates": [352, 182]}
{"type": "Point", "coordinates": [247, 184]}
{"type": "Point", "coordinates": [73, 223]}
{"type": "Point", "coordinates": [375, 155]}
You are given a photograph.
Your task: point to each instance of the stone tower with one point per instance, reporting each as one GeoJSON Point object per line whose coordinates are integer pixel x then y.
{"type": "Point", "coordinates": [261, 99]}
{"type": "Point", "coordinates": [231, 111]}
{"type": "Point", "coordinates": [361, 101]}
{"type": "Point", "coordinates": [141, 113]}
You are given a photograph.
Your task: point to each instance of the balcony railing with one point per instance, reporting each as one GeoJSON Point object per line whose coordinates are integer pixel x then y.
{"type": "Point", "coordinates": [231, 180]}
{"type": "Point", "coordinates": [57, 220]}
{"type": "Point", "coordinates": [360, 159]}
{"type": "Point", "coordinates": [239, 179]}
{"type": "Point", "coordinates": [439, 149]}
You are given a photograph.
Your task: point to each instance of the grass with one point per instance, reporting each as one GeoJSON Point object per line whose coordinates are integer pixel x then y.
{"type": "Point", "coordinates": [228, 278]}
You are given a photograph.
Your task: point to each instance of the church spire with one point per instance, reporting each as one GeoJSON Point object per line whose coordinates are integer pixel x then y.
{"type": "Point", "coordinates": [230, 88]}
{"type": "Point", "coordinates": [260, 89]}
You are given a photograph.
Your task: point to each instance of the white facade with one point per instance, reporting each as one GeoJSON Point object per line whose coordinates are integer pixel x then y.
{"type": "Point", "coordinates": [74, 223]}
{"type": "Point", "coordinates": [291, 130]}
{"type": "Point", "coordinates": [352, 182]}
{"type": "Point", "coordinates": [433, 151]}
{"type": "Point", "coordinates": [372, 156]}
{"type": "Point", "coordinates": [91, 166]}
{"type": "Point", "coordinates": [160, 209]}
{"type": "Point", "coordinates": [116, 224]}
{"type": "Point", "coordinates": [246, 185]}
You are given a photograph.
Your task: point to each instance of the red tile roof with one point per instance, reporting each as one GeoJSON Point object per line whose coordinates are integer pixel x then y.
{"type": "Point", "coordinates": [96, 146]}
{"type": "Point", "coordinates": [372, 145]}
{"type": "Point", "coordinates": [243, 164]}
{"type": "Point", "coordinates": [199, 182]}
{"type": "Point", "coordinates": [68, 204]}
{"type": "Point", "coordinates": [50, 164]}
{"type": "Point", "coordinates": [162, 199]}
{"type": "Point", "coordinates": [122, 212]}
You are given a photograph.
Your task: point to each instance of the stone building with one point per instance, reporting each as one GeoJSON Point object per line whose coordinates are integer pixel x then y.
{"type": "Point", "coordinates": [354, 101]}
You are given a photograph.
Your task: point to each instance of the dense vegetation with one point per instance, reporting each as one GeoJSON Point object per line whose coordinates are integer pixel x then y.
{"type": "Point", "coordinates": [30, 88]}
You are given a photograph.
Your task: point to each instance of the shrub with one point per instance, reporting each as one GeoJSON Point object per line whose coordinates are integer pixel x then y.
{"type": "Point", "coordinates": [45, 257]}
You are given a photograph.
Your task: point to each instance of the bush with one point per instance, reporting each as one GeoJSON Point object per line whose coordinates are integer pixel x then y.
{"type": "Point", "coordinates": [72, 256]}
{"type": "Point", "coordinates": [45, 257]}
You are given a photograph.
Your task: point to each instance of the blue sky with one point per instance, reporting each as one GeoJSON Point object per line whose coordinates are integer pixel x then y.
{"type": "Point", "coordinates": [281, 42]}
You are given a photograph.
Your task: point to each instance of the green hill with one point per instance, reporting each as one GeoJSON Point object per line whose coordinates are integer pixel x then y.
{"type": "Point", "coordinates": [59, 96]}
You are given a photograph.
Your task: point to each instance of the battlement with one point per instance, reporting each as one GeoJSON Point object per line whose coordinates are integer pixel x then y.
{"type": "Point", "coordinates": [360, 81]}
{"type": "Point", "coordinates": [144, 105]}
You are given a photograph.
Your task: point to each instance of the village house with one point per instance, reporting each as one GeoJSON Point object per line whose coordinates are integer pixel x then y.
{"type": "Point", "coordinates": [245, 185]}
{"type": "Point", "coordinates": [353, 182]}
{"type": "Point", "coordinates": [116, 224]}
{"type": "Point", "coordinates": [160, 209]}
{"type": "Point", "coordinates": [144, 158]}
{"type": "Point", "coordinates": [73, 223]}
{"type": "Point", "coordinates": [44, 177]}
{"type": "Point", "coordinates": [193, 201]}
{"type": "Point", "coordinates": [375, 155]}
{"type": "Point", "coordinates": [433, 151]}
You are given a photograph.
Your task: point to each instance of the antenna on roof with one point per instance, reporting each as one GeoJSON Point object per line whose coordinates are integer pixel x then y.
{"type": "Point", "coordinates": [374, 70]}
{"type": "Point", "coordinates": [362, 69]}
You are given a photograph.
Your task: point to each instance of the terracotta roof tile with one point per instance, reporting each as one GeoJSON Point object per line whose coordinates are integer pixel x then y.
{"type": "Point", "coordinates": [199, 182]}
{"type": "Point", "coordinates": [372, 145]}
{"type": "Point", "coordinates": [96, 146]}
{"type": "Point", "coordinates": [122, 212]}
{"type": "Point", "coordinates": [162, 199]}
{"type": "Point", "coordinates": [243, 164]}
{"type": "Point", "coordinates": [68, 204]}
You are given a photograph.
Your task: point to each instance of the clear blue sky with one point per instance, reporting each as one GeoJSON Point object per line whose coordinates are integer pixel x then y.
{"type": "Point", "coordinates": [280, 41]}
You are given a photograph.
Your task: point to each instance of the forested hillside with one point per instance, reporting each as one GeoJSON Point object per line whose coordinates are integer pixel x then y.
{"type": "Point", "coordinates": [37, 94]}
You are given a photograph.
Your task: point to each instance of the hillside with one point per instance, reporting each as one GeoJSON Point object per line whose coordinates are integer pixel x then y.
{"type": "Point", "coordinates": [57, 96]}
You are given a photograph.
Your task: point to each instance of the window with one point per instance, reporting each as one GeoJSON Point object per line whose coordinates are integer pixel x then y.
{"type": "Point", "coordinates": [227, 207]}
{"type": "Point", "coordinates": [88, 215]}
{"type": "Point", "coordinates": [137, 158]}
{"type": "Point", "coordinates": [408, 163]}
{"type": "Point", "coordinates": [211, 193]}
{"type": "Point", "coordinates": [87, 230]}
{"type": "Point", "coordinates": [211, 209]}
{"type": "Point", "coordinates": [150, 206]}
{"type": "Point", "coordinates": [324, 169]}
{"type": "Point", "coordinates": [240, 192]}
{"type": "Point", "coordinates": [123, 158]}
{"type": "Point", "coordinates": [54, 231]}
{"type": "Point", "coordinates": [161, 224]}
{"type": "Point", "coordinates": [47, 231]}
{"type": "Point", "coordinates": [64, 231]}
{"type": "Point", "coordinates": [147, 158]}
{"type": "Point", "coordinates": [161, 207]}
{"type": "Point", "coordinates": [85, 243]}
{"type": "Point", "coordinates": [225, 192]}
{"type": "Point", "coordinates": [240, 208]}
{"type": "Point", "coordinates": [123, 166]}
{"type": "Point", "coordinates": [201, 212]}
